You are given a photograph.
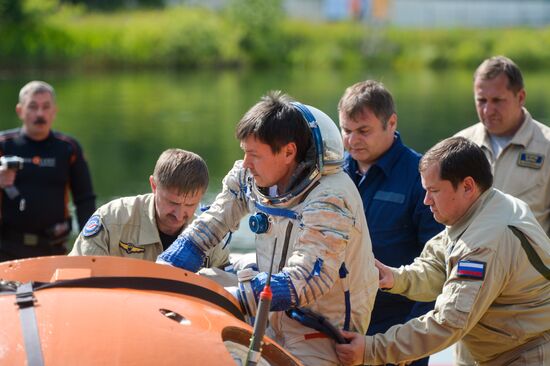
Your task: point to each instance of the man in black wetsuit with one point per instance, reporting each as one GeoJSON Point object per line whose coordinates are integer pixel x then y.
{"type": "Point", "coordinates": [35, 218]}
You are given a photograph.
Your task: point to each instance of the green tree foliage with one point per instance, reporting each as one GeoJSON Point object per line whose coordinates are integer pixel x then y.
{"type": "Point", "coordinates": [26, 36]}
{"type": "Point", "coordinates": [18, 12]}
{"type": "Point", "coordinates": [259, 22]}
{"type": "Point", "coordinates": [109, 5]}
{"type": "Point", "coordinates": [11, 11]}
{"type": "Point", "coordinates": [246, 33]}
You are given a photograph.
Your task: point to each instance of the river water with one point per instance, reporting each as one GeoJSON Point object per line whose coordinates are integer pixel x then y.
{"type": "Point", "coordinates": [124, 120]}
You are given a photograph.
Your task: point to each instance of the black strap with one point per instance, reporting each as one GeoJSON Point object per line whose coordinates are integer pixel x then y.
{"type": "Point", "coordinates": [151, 284]}
{"type": "Point", "coordinates": [285, 245]}
{"type": "Point", "coordinates": [531, 253]}
{"type": "Point", "coordinates": [316, 321]}
{"type": "Point", "coordinates": [24, 298]}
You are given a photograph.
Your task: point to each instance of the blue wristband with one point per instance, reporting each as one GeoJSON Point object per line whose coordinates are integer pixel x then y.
{"type": "Point", "coordinates": [281, 288]}
{"type": "Point", "coordinates": [183, 253]}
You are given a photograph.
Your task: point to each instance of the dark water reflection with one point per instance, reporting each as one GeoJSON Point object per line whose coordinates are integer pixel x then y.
{"type": "Point", "coordinates": [125, 119]}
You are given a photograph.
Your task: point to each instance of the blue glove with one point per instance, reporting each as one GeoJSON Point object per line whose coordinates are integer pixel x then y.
{"type": "Point", "coordinates": [284, 294]}
{"type": "Point", "coordinates": [251, 284]}
{"type": "Point", "coordinates": [183, 253]}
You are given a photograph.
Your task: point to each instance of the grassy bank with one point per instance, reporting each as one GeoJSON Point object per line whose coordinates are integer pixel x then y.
{"type": "Point", "coordinates": [192, 37]}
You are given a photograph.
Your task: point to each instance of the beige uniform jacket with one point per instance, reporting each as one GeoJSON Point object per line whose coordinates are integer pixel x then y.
{"type": "Point", "coordinates": [503, 305]}
{"type": "Point", "coordinates": [523, 168]}
{"type": "Point", "coordinates": [129, 229]}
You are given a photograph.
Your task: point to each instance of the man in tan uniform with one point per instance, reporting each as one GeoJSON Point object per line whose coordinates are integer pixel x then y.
{"type": "Point", "coordinates": [143, 226]}
{"type": "Point", "coordinates": [516, 145]}
{"type": "Point", "coordinates": [488, 272]}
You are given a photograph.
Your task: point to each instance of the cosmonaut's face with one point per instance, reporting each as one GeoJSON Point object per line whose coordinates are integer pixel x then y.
{"type": "Point", "coordinates": [447, 204]}
{"type": "Point", "coordinates": [267, 167]}
{"type": "Point", "coordinates": [174, 209]}
{"type": "Point", "coordinates": [498, 108]}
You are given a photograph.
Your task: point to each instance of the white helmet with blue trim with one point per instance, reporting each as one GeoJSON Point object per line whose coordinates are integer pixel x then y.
{"type": "Point", "coordinates": [326, 156]}
{"type": "Point", "coordinates": [327, 138]}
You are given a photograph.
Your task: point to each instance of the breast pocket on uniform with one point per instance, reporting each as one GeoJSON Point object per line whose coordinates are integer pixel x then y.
{"type": "Point", "coordinates": [528, 187]}
{"type": "Point", "coordinates": [386, 196]}
{"type": "Point", "coordinates": [392, 224]}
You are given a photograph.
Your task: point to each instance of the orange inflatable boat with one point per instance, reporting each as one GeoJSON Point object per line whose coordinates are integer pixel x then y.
{"type": "Point", "coordinates": [120, 311]}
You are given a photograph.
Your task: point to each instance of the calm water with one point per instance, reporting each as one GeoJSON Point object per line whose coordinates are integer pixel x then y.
{"type": "Point", "coordinates": [125, 120]}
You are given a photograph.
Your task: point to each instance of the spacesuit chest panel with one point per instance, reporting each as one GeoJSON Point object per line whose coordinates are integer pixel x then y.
{"type": "Point", "coordinates": [283, 231]}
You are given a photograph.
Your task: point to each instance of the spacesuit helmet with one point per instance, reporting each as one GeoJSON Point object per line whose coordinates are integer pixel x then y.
{"type": "Point", "coordinates": [328, 144]}
{"type": "Point", "coordinates": [325, 156]}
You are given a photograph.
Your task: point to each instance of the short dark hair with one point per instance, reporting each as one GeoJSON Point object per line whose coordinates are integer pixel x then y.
{"type": "Point", "coordinates": [276, 122]}
{"type": "Point", "coordinates": [459, 158]}
{"type": "Point", "coordinates": [367, 94]}
{"type": "Point", "coordinates": [496, 65]}
{"type": "Point", "coordinates": [182, 170]}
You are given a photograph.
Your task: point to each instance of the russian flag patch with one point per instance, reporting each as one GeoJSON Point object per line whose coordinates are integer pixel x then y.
{"type": "Point", "coordinates": [471, 269]}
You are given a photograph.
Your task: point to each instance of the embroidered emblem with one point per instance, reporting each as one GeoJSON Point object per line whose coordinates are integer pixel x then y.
{"type": "Point", "coordinates": [530, 160]}
{"type": "Point", "coordinates": [130, 248]}
{"type": "Point", "coordinates": [471, 269]}
{"type": "Point", "coordinates": [92, 227]}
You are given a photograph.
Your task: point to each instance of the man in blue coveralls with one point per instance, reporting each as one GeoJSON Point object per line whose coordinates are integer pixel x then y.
{"type": "Point", "coordinates": [386, 173]}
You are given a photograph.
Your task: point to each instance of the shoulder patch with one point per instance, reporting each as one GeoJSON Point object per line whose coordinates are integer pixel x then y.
{"type": "Point", "coordinates": [471, 269]}
{"type": "Point", "coordinates": [130, 248]}
{"type": "Point", "coordinates": [92, 227]}
{"type": "Point", "coordinates": [530, 160]}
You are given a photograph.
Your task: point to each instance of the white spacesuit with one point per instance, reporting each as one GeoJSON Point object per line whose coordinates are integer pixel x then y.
{"type": "Point", "coordinates": [323, 258]}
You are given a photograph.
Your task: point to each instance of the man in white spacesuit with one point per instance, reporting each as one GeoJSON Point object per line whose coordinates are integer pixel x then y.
{"type": "Point", "coordinates": [301, 202]}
